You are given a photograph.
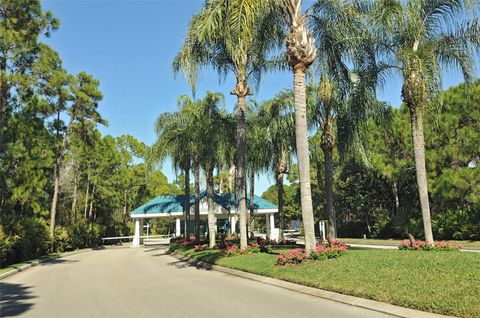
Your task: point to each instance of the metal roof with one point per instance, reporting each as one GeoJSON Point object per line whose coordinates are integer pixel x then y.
{"type": "Point", "coordinates": [174, 203]}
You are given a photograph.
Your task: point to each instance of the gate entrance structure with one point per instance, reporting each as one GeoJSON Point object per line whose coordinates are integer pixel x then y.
{"type": "Point", "coordinates": [224, 210]}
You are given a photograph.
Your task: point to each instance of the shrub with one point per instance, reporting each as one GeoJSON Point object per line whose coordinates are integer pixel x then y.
{"type": "Point", "coordinates": [323, 251]}
{"type": "Point", "coordinates": [201, 247]}
{"type": "Point", "coordinates": [326, 250]}
{"type": "Point", "coordinates": [427, 246]}
{"type": "Point", "coordinates": [293, 257]}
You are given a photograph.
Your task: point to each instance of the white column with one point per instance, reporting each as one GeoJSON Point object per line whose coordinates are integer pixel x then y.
{"type": "Point", "coordinates": [267, 224]}
{"type": "Point", "coordinates": [177, 227]}
{"type": "Point", "coordinates": [136, 237]}
{"type": "Point", "coordinates": [233, 222]}
{"type": "Point", "coordinates": [272, 222]}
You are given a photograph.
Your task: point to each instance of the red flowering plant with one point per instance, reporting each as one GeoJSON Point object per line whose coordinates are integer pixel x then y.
{"type": "Point", "coordinates": [326, 250]}
{"type": "Point", "coordinates": [201, 247]}
{"type": "Point", "coordinates": [323, 251]}
{"type": "Point", "coordinates": [292, 257]}
{"type": "Point", "coordinates": [420, 245]}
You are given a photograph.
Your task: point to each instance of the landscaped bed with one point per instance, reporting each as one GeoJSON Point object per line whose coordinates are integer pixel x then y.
{"type": "Point", "coordinates": [441, 282]}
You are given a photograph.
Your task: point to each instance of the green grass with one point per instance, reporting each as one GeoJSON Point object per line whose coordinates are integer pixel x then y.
{"type": "Point", "coordinates": [467, 244]}
{"type": "Point", "coordinates": [442, 282]}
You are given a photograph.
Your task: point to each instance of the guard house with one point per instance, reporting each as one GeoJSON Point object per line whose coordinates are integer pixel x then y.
{"type": "Point", "coordinates": [172, 205]}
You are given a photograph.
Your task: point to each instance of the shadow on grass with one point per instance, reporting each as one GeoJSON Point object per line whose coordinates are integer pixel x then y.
{"type": "Point", "coordinates": [14, 299]}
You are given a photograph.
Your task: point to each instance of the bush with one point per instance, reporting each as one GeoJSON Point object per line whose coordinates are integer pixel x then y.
{"type": "Point", "coordinates": [293, 257]}
{"type": "Point", "coordinates": [322, 252]}
{"type": "Point", "coordinates": [427, 246]}
{"type": "Point", "coordinates": [7, 243]}
{"type": "Point", "coordinates": [34, 239]}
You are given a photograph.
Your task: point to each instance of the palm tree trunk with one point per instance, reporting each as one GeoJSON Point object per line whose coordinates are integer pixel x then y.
{"type": "Point", "coordinates": [252, 203]}
{"type": "Point", "coordinates": [231, 176]}
{"type": "Point", "coordinates": [211, 216]}
{"type": "Point", "coordinates": [196, 173]}
{"type": "Point", "coordinates": [416, 121]}
{"type": "Point", "coordinates": [301, 134]}
{"type": "Point", "coordinates": [241, 163]}
{"type": "Point", "coordinates": [186, 202]}
{"type": "Point", "coordinates": [327, 147]}
{"type": "Point", "coordinates": [279, 181]}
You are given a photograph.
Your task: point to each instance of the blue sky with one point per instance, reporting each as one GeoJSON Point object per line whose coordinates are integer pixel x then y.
{"type": "Point", "coordinates": [129, 47]}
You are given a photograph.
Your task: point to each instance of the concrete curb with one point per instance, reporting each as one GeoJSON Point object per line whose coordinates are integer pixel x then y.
{"type": "Point", "coordinates": [45, 260]}
{"type": "Point", "coordinates": [345, 299]}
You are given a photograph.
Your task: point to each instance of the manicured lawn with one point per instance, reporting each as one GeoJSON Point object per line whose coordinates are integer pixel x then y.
{"type": "Point", "coordinates": [441, 282]}
{"type": "Point", "coordinates": [467, 244]}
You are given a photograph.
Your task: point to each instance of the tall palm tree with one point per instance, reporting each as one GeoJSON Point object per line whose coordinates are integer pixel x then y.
{"type": "Point", "coordinates": [232, 36]}
{"type": "Point", "coordinates": [174, 140]}
{"type": "Point", "coordinates": [258, 156]}
{"type": "Point", "coordinates": [301, 53]}
{"type": "Point", "coordinates": [420, 40]}
{"type": "Point", "coordinates": [277, 118]}
{"type": "Point", "coordinates": [212, 124]}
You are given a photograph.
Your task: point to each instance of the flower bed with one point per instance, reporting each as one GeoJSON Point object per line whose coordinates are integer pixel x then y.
{"type": "Point", "coordinates": [323, 251]}
{"type": "Point", "coordinates": [427, 246]}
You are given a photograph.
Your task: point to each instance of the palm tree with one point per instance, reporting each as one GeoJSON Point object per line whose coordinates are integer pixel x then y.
{"type": "Point", "coordinates": [421, 39]}
{"type": "Point", "coordinates": [174, 140]}
{"type": "Point", "coordinates": [258, 156]}
{"type": "Point", "coordinates": [232, 36]}
{"type": "Point", "coordinates": [212, 124]}
{"type": "Point", "coordinates": [277, 117]}
{"type": "Point", "coordinates": [301, 53]}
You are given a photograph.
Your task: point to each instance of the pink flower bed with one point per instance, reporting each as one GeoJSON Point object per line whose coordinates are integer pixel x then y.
{"type": "Point", "coordinates": [323, 251]}
{"type": "Point", "coordinates": [428, 246]}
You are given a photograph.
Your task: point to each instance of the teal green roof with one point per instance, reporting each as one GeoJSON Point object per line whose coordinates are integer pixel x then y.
{"type": "Point", "coordinates": [174, 203]}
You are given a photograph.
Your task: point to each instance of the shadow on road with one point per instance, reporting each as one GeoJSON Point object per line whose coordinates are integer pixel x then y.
{"type": "Point", "coordinates": [184, 264]}
{"type": "Point", "coordinates": [56, 261]}
{"type": "Point", "coordinates": [14, 299]}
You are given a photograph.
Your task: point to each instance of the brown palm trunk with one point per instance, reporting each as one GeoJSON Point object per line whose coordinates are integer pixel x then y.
{"type": "Point", "coordinates": [301, 134]}
{"type": "Point", "coordinates": [196, 173]}
{"type": "Point", "coordinates": [416, 121]}
{"type": "Point", "coordinates": [279, 181]}
{"type": "Point", "coordinates": [186, 202]}
{"type": "Point", "coordinates": [231, 176]}
{"type": "Point", "coordinates": [327, 147]}
{"type": "Point", "coordinates": [252, 203]}
{"type": "Point", "coordinates": [241, 154]}
{"type": "Point", "coordinates": [212, 222]}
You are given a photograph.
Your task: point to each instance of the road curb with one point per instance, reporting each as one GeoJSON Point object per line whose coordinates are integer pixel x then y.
{"type": "Point", "coordinates": [345, 299]}
{"type": "Point", "coordinates": [45, 260]}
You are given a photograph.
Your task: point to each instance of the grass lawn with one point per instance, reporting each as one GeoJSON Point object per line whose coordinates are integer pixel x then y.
{"type": "Point", "coordinates": [441, 282]}
{"type": "Point", "coordinates": [467, 244]}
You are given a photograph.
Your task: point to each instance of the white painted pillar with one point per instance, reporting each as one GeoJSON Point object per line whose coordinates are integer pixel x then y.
{"type": "Point", "coordinates": [233, 222]}
{"type": "Point", "coordinates": [136, 237]}
{"type": "Point", "coordinates": [272, 222]}
{"type": "Point", "coordinates": [267, 224]}
{"type": "Point", "coordinates": [177, 227]}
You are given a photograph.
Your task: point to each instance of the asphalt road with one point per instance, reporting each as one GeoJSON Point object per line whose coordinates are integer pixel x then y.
{"type": "Point", "coordinates": [145, 282]}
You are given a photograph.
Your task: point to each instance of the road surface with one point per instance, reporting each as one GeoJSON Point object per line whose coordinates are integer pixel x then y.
{"type": "Point", "coordinates": [145, 282]}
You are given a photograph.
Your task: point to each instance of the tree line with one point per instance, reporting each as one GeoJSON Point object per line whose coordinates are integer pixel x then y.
{"type": "Point", "coordinates": [62, 184]}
